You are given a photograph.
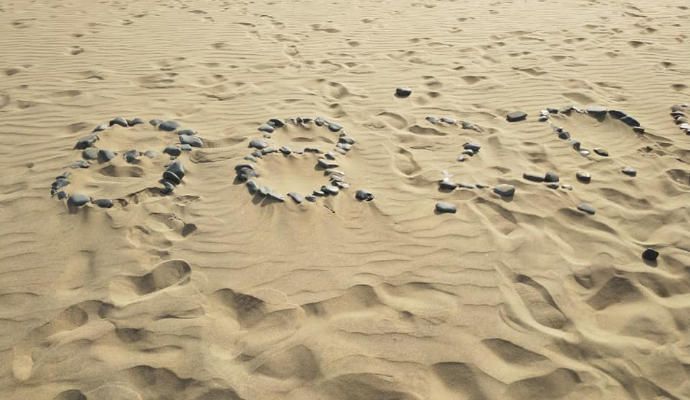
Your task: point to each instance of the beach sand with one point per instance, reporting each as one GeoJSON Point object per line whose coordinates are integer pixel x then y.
{"type": "Point", "coordinates": [211, 293]}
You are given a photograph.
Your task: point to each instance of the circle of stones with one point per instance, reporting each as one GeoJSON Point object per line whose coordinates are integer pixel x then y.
{"type": "Point", "coordinates": [171, 177]}
{"type": "Point", "coordinates": [245, 172]}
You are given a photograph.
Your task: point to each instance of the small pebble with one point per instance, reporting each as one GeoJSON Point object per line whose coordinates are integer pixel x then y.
{"type": "Point", "coordinates": [85, 142]}
{"type": "Point", "coordinates": [504, 190]}
{"type": "Point", "coordinates": [119, 121]}
{"type": "Point", "coordinates": [617, 114]}
{"type": "Point", "coordinates": [516, 116]}
{"type": "Point", "coordinates": [443, 207]}
{"type": "Point", "coordinates": [601, 152]}
{"type": "Point", "coordinates": [168, 126]}
{"type": "Point", "coordinates": [364, 195]}
{"type": "Point", "coordinates": [185, 147]}
{"type": "Point", "coordinates": [100, 128]}
{"type": "Point", "coordinates": [296, 197]}
{"type": "Point", "coordinates": [194, 141]}
{"type": "Point", "coordinates": [533, 177]}
{"type": "Point", "coordinates": [583, 176]}
{"type": "Point", "coordinates": [131, 156]}
{"type": "Point", "coordinates": [630, 171]}
{"type": "Point", "coordinates": [276, 123]}
{"type": "Point", "coordinates": [472, 146]}
{"type": "Point", "coordinates": [551, 177]}
{"type": "Point", "coordinates": [172, 177]}
{"type": "Point", "coordinates": [553, 185]}
{"type": "Point", "coordinates": [403, 92]}
{"type": "Point", "coordinates": [285, 150]}
{"type": "Point", "coordinates": [105, 155]}
{"type": "Point", "coordinates": [78, 200]}
{"type": "Point", "coordinates": [432, 120]}
{"type": "Point", "coordinates": [310, 198]}
{"type": "Point", "coordinates": [330, 189]}
{"type": "Point", "coordinates": [172, 150]}
{"type": "Point", "coordinates": [587, 208]}
{"type": "Point", "coordinates": [90, 153]}
{"type": "Point", "coordinates": [80, 164]}
{"type": "Point", "coordinates": [258, 144]}
{"type": "Point", "coordinates": [135, 121]}
{"type": "Point", "coordinates": [103, 203]}
{"type": "Point", "coordinates": [333, 127]}
{"type": "Point", "coordinates": [446, 184]}
{"type": "Point", "coordinates": [597, 111]}
{"type": "Point", "coordinates": [325, 164]}
{"type": "Point", "coordinates": [176, 168]}
{"type": "Point", "coordinates": [266, 128]}
{"type": "Point", "coordinates": [650, 254]}
{"type": "Point", "coordinates": [268, 150]}
{"type": "Point", "coordinates": [155, 122]}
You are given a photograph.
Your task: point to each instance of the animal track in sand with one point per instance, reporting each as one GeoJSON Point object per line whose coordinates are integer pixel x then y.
{"type": "Point", "coordinates": [115, 158]}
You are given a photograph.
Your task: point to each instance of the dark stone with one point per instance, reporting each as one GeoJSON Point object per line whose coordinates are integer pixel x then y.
{"type": "Point", "coordinates": [576, 145]}
{"type": "Point", "coordinates": [86, 142]}
{"type": "Point", "coordinates": [564, 135]}
{"type": "Point", "coordinates": [630, 121]}
{"type": "Point", "coordinates": [185, 147]}
{"type": "Point", "coordinates": [466, 186]}
{"type": "Point", "coordinates": [552, 185]}
{"type": "Point", "coordinates": [312, 150]}
{"type": "Point", "coordinates": [583, 177]}
{"type": "Point", "coordinates": [285, 150]}
{"type": "Point", "coordinates": [346, 139]}
{"type": "Point", "coordinates": [319, 121]}
{"type": "Point", "coordinates": [172, 150]}
{"type": "Point", "coordinates": [446, 184]}
{"type": "Point", "coordinates": [533, 177]}
{"type": "Point", "coordinates": [275, 196]}
{"type": "Point", "coordinates": [551, 177]}
{"type": "Point", "coordinates": [258, 144]}
{"type": "Point", "coordinates": [194, 141]}
{"type": "Point", "coordinates": [516, 116]}
{"type": "Point", "coordinates": [168, 126]}
{"type": "Point", "coordinates": [617, 114]}
{"type": "Point", "coordinates": [100, 128]}
{"type": "Point", "coordinates": [61, 195]}
{"type": "Point", "coordinates": [105, 155]}
{"type": "Point", "coordinates": [59, 183]}
{"type": "Point", "coordinates": [310, 198]}
{"type": "Point", "coordinates": [638, 129]}
{"type": "Point", "coordinates": [318, 193]}
{"type": "Point", "coordinates": [266, 128]}
{"type": "Point", "coordinates": [276, 123]}
{"type": "Point", "coordinates": [135, 121]}
{"type": "Point", "coordinates": [650, 254]}
{"type": "Point", "coordinates": [364, 195]}
{"type": "Point", "coordinates": [597, 111]}
{"type": "Point", "coordinates": [470, 126]}
{"type": "Point", "coordinates": [601, 152]}
{"type": "Point", "coordinates": [504, 190]}
{"type": "Point", "coordinates": [78, 200]}
{"type": "Point", "coordinates": [190, 132]}
{"type": "Point", "coordinates": [325, 164]}
{"type": "Point", "coordinates": [131, 156]}
{"type": "Point", "coordinates": [252, 186]}
{"type": "Point", "coordinates": [90, 153]}
{"type": "Point", "coordinates": [333, 127]}
{"type": "Point", "coordinates": [432, 120]}
{"type": "Point", "coordinates": [119, 121]}
{"type": "Point", "coordinates": [468, 152]}
{"type": "Point", "coordinates": [587, 208]}
{"type": "Point", "coordinates": [176, 168]}
{"type": "Point", "coordinates": [330, 189]}
{"type": "Point", "coordinates": [168, 187]}
{"type": "Point", "coordinates": [630, 171]}
{"type": "Point", "coordinates": [172, 177]}
{"type": "Point", "coordinates": [444, 208]}
{"type": "Point", "coordinates": [296, 197]}
{"type": "Point", "coordinates": [472, 146]}
{"type": "Point", "coordinates": [155, 122]}
{"type": "Point", "coordinates": [403, 92]}
{"type": "Point", "coordinates": [103, 203]}
{"type": "Point", "coordinates": [344, 146]}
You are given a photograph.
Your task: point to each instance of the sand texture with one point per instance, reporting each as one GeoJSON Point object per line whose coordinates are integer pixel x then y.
{"type": "Point", "coordinates": [214, 293]}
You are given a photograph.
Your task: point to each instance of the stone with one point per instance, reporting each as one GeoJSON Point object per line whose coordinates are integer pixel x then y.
{"type": "Point", "coordinates": [638, 129]}
{"type": "Point", "coordinates": [446, 184]}
{"type": "Point", "coordinates": [266, 128]}
{"type": "Point", "coordinates": [472, 146]}
{"type": "Point", "coordinates": [576, 145]}
{"type": "Point", "coordinates": [650, 254]}
{"type": "Point", "coordinates": [135, 121]}
{"type": "Point", "coordinates": [432, 120]}
{"type": "Point", "coordinates": [461, 158]}
{"type": "Point", "coordinates": [90, 153]}
{"type": "Point", "coordinates": [194, 141]}
{"type": "Point", "coordinates": [346, 139]}
{"type": "Point", "coordinates": [310, 198]}
{"type": "Point", "coordinates": [312, 150]}
{"type": "Point", "coordinates": [258, 144]}
{"type": "Point", "coordinates": [601, 152]}
{"type": "Point", "coordinates": [551, 177]}
{"type": "Point", "coordinates": [583, 176]}
{"type": "Point", "coordinates": [325, 164]}
{"type": "Point", "coordinates": [186, 132]}
{"type": "Point", "coordinates": [245, 173]}
{"type": "Point", "coordinates": [470, 126]}
{"type": "Point", "coordinates": [285, 150]}
{"type": "Point", "coordinates": [564, 135]}
{"type": "Point", "coordinates": [533, 177]}
{"type": "Point", "coordinates": [131, 156]}
{"type": "Point", "coordinates": [329, 155]}
{"type": "Point", "coordinates": [584, 152]}
{"type": "Point", "coordinates": [468, 152]}
{"type": "Point", "coordinates": [617, 114]}
{"type": "Point", "coordinates": [516, 116]}
{"type": "Point", "coordinates": [80, 164]}
{"type": "Point", "coordinates": [319, 121]}
{"type": "Point", "coordinates": [587, 208]}
{"type": "Point", "coordinates": [318, 193]}
{"type": "Point", "coordinates": [176, 168]}
{"type": "Point", "coordinates": [275, 196]}
{"type": "Point", "coordinates": [567, 187]}
{"type": "Point", "coordinates": [168, 187]}
{"type": "Point", "coordinates": [252, 186]}
{"type": "Point", "coordinates": [105, 155]}
{"type": "Point", "coordinates": [466, 186]}
{"type": "Point", "coordinates": [445, 208]}
{"type": "Point", "coordinates": [597, 111]}
{"type": "Point", "coordinates": [341, 185]}
{"type": "Point", "coordinates": [78, 200]}
{"type": "Point", "coordinates": [344, 146]}
{"type": "Point", "coordinates": [630, 121]}
{"type": "Point", "coordinates": [330, 189]}
{"type": "Point", "coordinates": [553, 185]}
{"type": "Point", "coordinates": [85, 142]}
{"type": "Point", "coordinates": [276, 123]}
{"type": "Point", "coordinates": [333, 127]}
{"type": "Point", "coordinates": [103, 203]}
{"type": "Point", "coordinates": [268, 150]}
{"type": "Point", "coordinates": [172, 150]}
{"type": "Point", "coordinates": [168, 126]}
{"type": "Point", "coordinates": [504, 190]}
{"type": "Point", "coordinates": [185, 147]}
{"type": "Point", "coordinates": [403, 92]}
{"type": "Point", "coordinates": [296, 197]}
{"type": "Point", "coordinates": [119, 121]}
{"type": "Point", "coordinates": [449, 121]}
{"type": "Point", "coordinates": [155, 122]}
{"type": "Point", "coordinates": [61, 195]}
{"type": "Point", "coordinates": [364, 195]}
{"type": "Point", "coordinates": [172, 177]}
{"type": "Point", "coordinates": [630, 171]}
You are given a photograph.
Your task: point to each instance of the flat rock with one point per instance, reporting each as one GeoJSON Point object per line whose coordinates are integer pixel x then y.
{"type": "Point", "coordinates": [403, 92]}
{"type": "Point", "coordinates": [364, 195]}
{"type": "Point", "coordinates": [504, 190]}
{"type": "Point", "coordinates": [78, 200]}
{"type": "Point", "coordinates": [323, 163]}
{"type": "Point", "coordinates": [194, 141]}
{"type": "Point", "coordinates": [432, 120]}
{"type": "Point", "coordinates": [103, 203]}
{"type": "Point", "coordinates": [446, 184]}
{"type": "Point", "coordinates": [135, 121]}
{"type": "Point", "coordinates": [446, 208]}
{"type": "Point", "coordinates": [534, 177]}
{"type": "Point", "coordinates": [172, 150]}
{"type": "Point", "coordinates": [168, 126]}
{"type": "Point", "coordinates": [258, 144]}
{"type": "Point", "coordinates": [516, 116]}
{"type": "Point", "coordinates": [285, 150]}
{"type": "Point", "coordinates": [472, 146]}
{"type": "Point", "coordinates": [601, 152]}
{"type": "Point", "coordinates": [617, 114]}
{"type": "Point", "coordinates": [105, 155]}
{"type": "Point", "coordinates": [630, 121]}
{"type": "Point", "coordinates": [86, 141]}
{"type": "Point", "coordinates": [276, 123]}
{"type": "Point", "coordinates": [583, 176]}
{"type": "Point", "coordinates": [597, 111]}
{"type": "Point", "coordinates": [266, 128]}
{"type": "Point", "coordinates": [119, 121]}
{"type": "Point", "coordinates": [131, 156]}
{"type": "Point", "coordinates": [586, 208]}
{"type": "Point", "coordinates": [155, 122]}
{"type": "Point", "coordinates": [630, 171]}
{"type": "Point", "coordinates": [330, 189]}
{"type": "Point", "coordinates": [172, 177]}
{"type": "Point", "coordinates": [176, 168]}
{"type": "Point", "coordinates": [90, 153]}
{"type": "Point", "coordinates": [296, 197]}
{"type": "Point", "coordinates": [333, 127]}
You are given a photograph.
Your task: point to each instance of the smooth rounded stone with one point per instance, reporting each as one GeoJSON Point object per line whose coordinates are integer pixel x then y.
{"type": "Point", "coordinates": [168, 126]}
{"type": "Point", "coordinates": [447, 185]}
{"type": "Point", "coordinates": [296, 197]}
{"type": "Point", "coordinates": [516, 116]}
{"type": "Point", "coordinates": [551, 177]}
{"type": "Point", "coordinates": [597, 111]}
{"type": "Point", "coordinates": [190, 132]}
{"type": "Point", "coordinates": [461, 158]}
{"type": "Point", "coordinates": [650, 254]}
{"type": "Point", "coordinates": [252, 186]}
{"type": "Point", "coordinates": [59, 183]}
{"type": "Point", "coordinates": [176, 168]}
{"type": "Point", "coordinates": [333, 127]}
{"type": "Point", "coordinates": [168, 187]}
{"type": "Point", "coordinates": [105, 155]}
{"type": "Point", "coordinates": [258, 144]}
{"type": "Point", "coordinates": [543, 118]}
{"type": "Point", "coordinates": [584, 152]}
{"type": "Point", "coordinates": [630, 121]}
{"type": "Point", "coordinates": [319, 121]}
{"type": "Point", "coordinates": [119, 121]}
{"type": "Point", "coordinates": [545, 113]}
{"type": "Point", "coordinates": [151, 153]}
{"type": "Point", "coordinates": [325, 164]}
{"type": "Point", "coordinates": [587, 208]}
{"type": "Point", "coordinates": [433, 120]}
{"type": "Point", "coordinates": [276, 123]}
{"type": "Point", "coordinates": [679, 107]}
{"type": "Point", "coordinates": [78, 200]}
{"type": "Point", "coordinates": [257, 154]}
{"type": "Point", "coordinates": [318, 193]}
{"type": "Point", "coordinates": [567, 187]}
{"type": "Point", "coordinates": [342, 185]}
{"type": "Point", "coordinates": [446, 208]}
{"type": "Point", "coordinates": [468, 152]}
{"type": "Point", "coordinates": [566, 109]}
{"type": "Point", "coordinates": [90, 153]}
{"type": "Point", "coordinates": [364, 195]}
{"type": "Point", "coordinates": [553, 185]}
{"type": "Point", "coordinates": [275, 196]}
{"type": "Point", "coordinates": [472, 146]}
{"type": "Point", "coordinates": [617, 114]}
{"type": "Point", "coordinates": [266, 128]}
{"type": "Point", "coordinates": [85, 142]}
{"type": "Point", "coordinates": [329, 155]}
{"type": "Point", "coordinates": [470, 126]}
{"type": "Point", "coordinates": [305, 120]}
{"type": "Point", "coordinates": [312, 150]}
{"type": "Point", "coordinates": [172, 150]}
{"type": "Point", "coordinates": [103, 203]}
{"type": "Point", "coordinates": [552, 110]}
{"type": "Point", "coordinates": [310, 198]}
{"type": "Point", "coordinates": [344, 146]}
{"type": "Point", "coordinates": [246, 174]}
{"type": "Point", "coordinates": [100, 128]}
{"type": "Point", "coordinates": [334, 172]}
{"type": "Point", "coordinates": [630, 171]}
{"type": "Point", "coordinates": [583, 176]}
{"type": "Point", "coordinates": [155, 122]}
{"type": "Point", "coordinates": [601, 152]}
{"type": "Point", "coordinates": [677, 114]}
{"type": "Point", "coordinates": [685, 127]}
{"type": "Point", "coordinates": [449, 121]}
{"type": "Point", "coordinates": [681, 120]}
{"type": "Point", "coordinates": [194, 141]}
{"type": "Point", "coordinates": [135, 121]}
{"type": "Point", "coordinates": [268, 150]}
{"type": "Point", "coordinates": [285, 150]}
{"type": "Point", "coordinates": [346, 139]}
{"type": "Point", "coordinates": [330, 189]}
{"type": "Point", "coordinates": [564, 135]}
{"type": "Point", "coordinates": [403, 92]}
{"type": "Point", "coordinates": [131, 156]}
{"type": "Point", "coordinates": [170, 176]}
{"type": "Point", "coordinates": [576, 145]}
{"type": "Point", "coordinates": [186, 147]}
{"type": "Point", "coordinates": [61, 195]}
{"type": "Point", "coordinates": [504, 190]}
{"type": "Point", "coordinates": [534, 177]}
{"type": "Point", "coordinates": [80, 164]}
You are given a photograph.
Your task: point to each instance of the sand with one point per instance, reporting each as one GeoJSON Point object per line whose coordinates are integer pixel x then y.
{"type": "Point", "coordinates": [208, 294]}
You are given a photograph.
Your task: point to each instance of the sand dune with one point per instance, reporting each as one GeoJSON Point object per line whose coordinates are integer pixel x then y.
{"type": "Point", "coordinates": [212, 292]}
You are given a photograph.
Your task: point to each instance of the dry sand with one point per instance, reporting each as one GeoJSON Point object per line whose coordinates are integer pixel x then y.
{"type": "Point", "coordinates": [208, 294]}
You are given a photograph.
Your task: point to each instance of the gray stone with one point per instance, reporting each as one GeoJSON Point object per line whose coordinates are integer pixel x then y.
{"type": "Point", "coordinates": [252, 186]}
{"type": "Point", "coordinates": [447, 185]}
{"type": "Point", "coordinates": [268, 150]}
{"type": "Point", "coordinates": [86, 142]}
{"type": "Point", "coordinates": [617, 114]}
{"type": "Point", "coordinates": [364, 195]}
{"type": "Point", "coordinates": [583, 176]}
{"type": "Point", "coordinates": [601, 152]}
{"type": "Point", "coordinates": [105, 155]}
{"type": "Point", "coordinates": [135, 121]}
{"type": "Point", "coordinates": [564, 135]}
{"type": "Point", "coordinates": [131, 156]}
{"type": "Point", "coordinates": [296, 197]}
{"type": "Point", "coordinates": [584, 152]}
{"type": "Point", "coordinates": [597, 111]}
{"type": "Point", "coordinates": [285, 150]}
{"type": "Point", "coordinates": [333, 127]}
{"type": "Point", "coordinates": [151, 153]}
{"type": "Point", "coordinates": [100, 128]}
{"type": "Point", "coordinates": [551, 177]}
{"type": "Point", "coordinates": [449, 121]}
{"type": "Point", "coordinates": [185, 147]}
{"type": "Point", "coordinates": [103, 203]}
{"type": "Point", "coordinates": [326, 164]}
{"type": "Point", "coordinates": [504, 190]}
{"type": "Point", "coordinates": [445, 208]}
{"type": "Point", "coordinates": [587, 208]}
{"type": "Point", "coordinates": [172, 150]}
{"type": "Point", "coordinates": [330, 189]}
{"type": "Point", "coordinates": [472, 146]}
{"type": "Point", "coordinates": [630, 171]}
{"type": "Point", "coordinates": [168, 187]}
{"type": "Point", "coordinates": [346, 139]}
{"type": "Point", "coordinates": [310, 198]}
{"type": "Point", "coordinates": [190, 132]}
{"type": "Point", "coordinates": [630, 121]}
{"type": "Point", "coordinates": [250, 158]}
{"type": "Point", "coordinates": [312, 150]}
{"type": "Point", "coordinates": [119, 121]}
{"type": "Point", "coordinates": [266, 128]}
{"type": "Point", "coordinates": [172, 177]}
{"type": "Point", "coordinates": [78, 200]}
{"type": "Point", "coordinates": [576, 145]}
{"type": "Point", "coordinates": [432, 120]}
{"type": "Point", "coordinates": [90, 153]}
{"type": "Point", "coordinates": [155, 122]}
{"type": "Point", "coordinates": [319, 121]}
{"type": "Point", "coordinates": [176, 168]}
{"type": "Point", "coordinates": [553, 185]}
{"type": "Point", "coordinates": [276, 123]}
{"type": "Point", "coordinates": [61, 195]}
{"type": "Point", "coordinates": [344, 146]}
{"type": "Point", "coordinates": [194, 141]}
{"type": "Point", "coordinates": [258, 144]}
{"type": "Point", "coordinates": [470, 126]}
{"type": "Point", "coordinates": [516, 116]}
{"type": "Point", "coordinates": [533, 177]}
{"type": "Point", "coordinates": [403, 92]}
{"type": "Point", "coordinates": [318, 193]}
{"type": "Point", "coordinates": [168, 126]}
{"type": "Point", "coordinates": [275, 196]}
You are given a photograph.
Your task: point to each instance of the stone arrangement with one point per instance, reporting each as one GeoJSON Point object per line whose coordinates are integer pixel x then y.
{"type": "Point", "coordinates": [327, 160]}
{"type": "Point", "coordinates": [91, 153]}
{"type": "Point", "coordinates": [678, 112]}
